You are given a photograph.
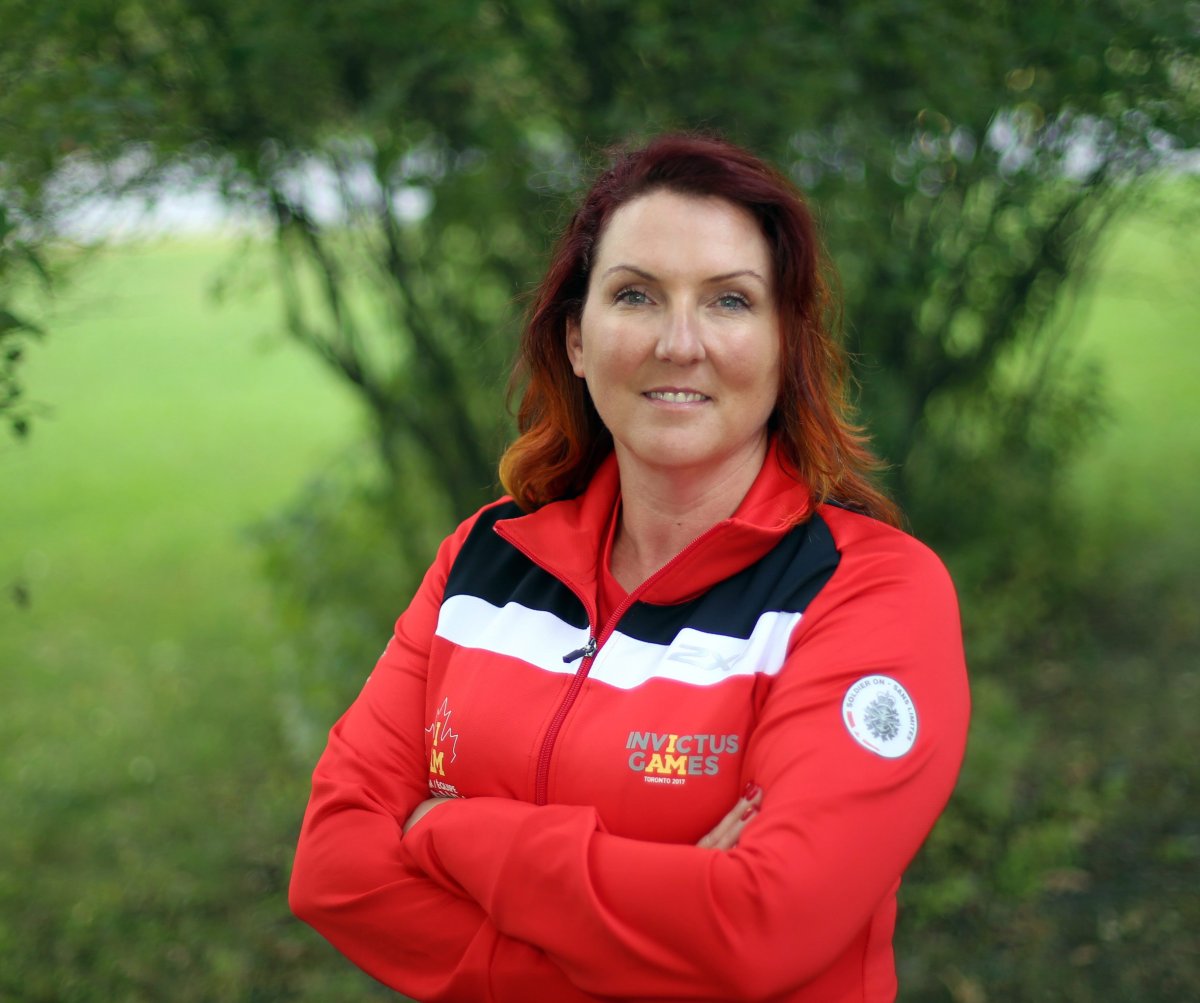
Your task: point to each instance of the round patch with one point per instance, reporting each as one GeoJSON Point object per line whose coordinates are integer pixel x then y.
{"type": "Point", "coordinates": [881, 716]}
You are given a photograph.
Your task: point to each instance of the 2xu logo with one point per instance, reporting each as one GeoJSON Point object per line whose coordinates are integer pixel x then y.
{"type": "Point", "coordinates": [880, 716]}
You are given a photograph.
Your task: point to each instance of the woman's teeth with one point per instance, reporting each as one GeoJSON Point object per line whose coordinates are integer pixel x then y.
{"type": "Point", "coordinates": [676, 397]}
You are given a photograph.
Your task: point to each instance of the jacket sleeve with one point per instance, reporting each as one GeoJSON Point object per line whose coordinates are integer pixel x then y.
{"type": "Point", "coordinates": [352, 880]}
{"type": "Point", "coordinates": [839, 822]}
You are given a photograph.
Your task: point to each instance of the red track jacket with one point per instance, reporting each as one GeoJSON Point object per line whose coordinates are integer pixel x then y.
{"type": "Point", "coordinates": [817, 653]}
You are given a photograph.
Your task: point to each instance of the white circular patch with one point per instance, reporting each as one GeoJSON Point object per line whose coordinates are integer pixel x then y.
{"type": "Point", "coordinates": [881, 716]}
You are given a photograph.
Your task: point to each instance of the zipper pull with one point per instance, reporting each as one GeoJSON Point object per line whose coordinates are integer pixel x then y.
{"type": "Point", "coordinates": [587, 651]}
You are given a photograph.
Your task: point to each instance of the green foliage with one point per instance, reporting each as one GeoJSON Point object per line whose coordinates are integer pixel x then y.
{"type": "Point", "coordinates": [960, 191]}
{"type": "Point", "coordinates": [1067, 860]}
{"type": "Point", "coordinates": [17, 260]}
{"type": "Point", "coordinates": [341, 574]}
{"type": "Point", "coordinates": [1064, 864]}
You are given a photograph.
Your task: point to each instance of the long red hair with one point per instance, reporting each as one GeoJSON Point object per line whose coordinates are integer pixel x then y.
{"type": "Point", "coordinates": [562, 439]}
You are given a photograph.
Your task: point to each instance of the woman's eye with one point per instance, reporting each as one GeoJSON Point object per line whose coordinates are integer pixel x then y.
{"type": "Point", "coordinates": [733, 301]}
{"type": "Point", "coordinates": [632, 297]}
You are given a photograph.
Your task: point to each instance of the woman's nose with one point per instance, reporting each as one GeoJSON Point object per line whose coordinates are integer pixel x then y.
{"type": "Point", "coordinates": [680, 340]}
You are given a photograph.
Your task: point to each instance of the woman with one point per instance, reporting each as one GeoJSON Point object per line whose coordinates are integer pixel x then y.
{"type": "Point", "coordinates": [671, 721]}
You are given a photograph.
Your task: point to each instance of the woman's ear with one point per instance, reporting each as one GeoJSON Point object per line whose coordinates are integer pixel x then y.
{"type": "Point", "coordinates": [575, 345]}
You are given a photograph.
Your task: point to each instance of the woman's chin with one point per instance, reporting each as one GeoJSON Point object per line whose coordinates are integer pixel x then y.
{"type": "Point", "coordinates": [688, 453]}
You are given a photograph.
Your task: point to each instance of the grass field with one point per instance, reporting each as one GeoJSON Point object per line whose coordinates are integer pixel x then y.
{"type": "Point", "coordinates": [147, 802]}
{"type": "Point", "coordinates": [1140, 321]}
{"type": "Point", "coordinates": [147, 805]}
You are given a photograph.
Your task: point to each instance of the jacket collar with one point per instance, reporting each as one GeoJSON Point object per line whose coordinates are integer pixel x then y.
{"type": "Point", "coordinates": [566, 537]}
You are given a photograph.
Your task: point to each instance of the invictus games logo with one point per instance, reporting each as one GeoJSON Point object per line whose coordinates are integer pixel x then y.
{"type": "Point", "coordinates": [671, 759]}
{"type": "Point", "coordinates": [880, 715]}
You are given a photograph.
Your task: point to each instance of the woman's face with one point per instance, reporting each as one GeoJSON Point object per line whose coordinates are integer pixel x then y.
{"type": "Point", "coordinates": [679, 336]}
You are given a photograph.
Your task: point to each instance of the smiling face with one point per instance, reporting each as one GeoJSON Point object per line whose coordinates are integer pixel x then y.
{"type": "Point", "coordinates": [679, 336]}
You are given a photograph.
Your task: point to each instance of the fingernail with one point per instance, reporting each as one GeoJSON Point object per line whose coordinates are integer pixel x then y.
{"type": "Point", "coordinates": [748, 812]}
{"type": "Point", "coordinates": [750, 792]}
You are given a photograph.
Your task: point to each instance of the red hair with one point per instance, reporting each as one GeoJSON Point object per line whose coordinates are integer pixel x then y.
{"type": "Point", "coordinates": [562, 439]}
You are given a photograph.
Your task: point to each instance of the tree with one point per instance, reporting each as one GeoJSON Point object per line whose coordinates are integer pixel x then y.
{"type": "Point", "coordinates": [964, 158]}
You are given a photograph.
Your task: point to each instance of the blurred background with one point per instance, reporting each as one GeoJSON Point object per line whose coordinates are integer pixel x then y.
{"type": "Point", "coordinates": [261, 271]}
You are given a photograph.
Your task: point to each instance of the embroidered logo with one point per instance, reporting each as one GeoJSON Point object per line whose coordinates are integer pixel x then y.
{"type": "Point", "coordinates": [443, 740]}
{"type": "Point", "coordinates": [880, 715]}
{"type": "Point", "coordinates": [671, 759]}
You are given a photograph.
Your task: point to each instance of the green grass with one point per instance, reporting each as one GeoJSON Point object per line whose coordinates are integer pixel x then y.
{"type": "Point", "coordinates": [147, 806]}
{"type": "Point", "coordinates": [1141, 321]}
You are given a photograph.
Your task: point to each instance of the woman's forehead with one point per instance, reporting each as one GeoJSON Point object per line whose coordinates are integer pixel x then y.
{"type": "Point", "coordinates": [667, 230]}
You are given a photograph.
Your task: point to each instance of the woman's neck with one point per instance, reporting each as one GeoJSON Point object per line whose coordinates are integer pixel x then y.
{"type": "Point", "coordinates": [663, 511]}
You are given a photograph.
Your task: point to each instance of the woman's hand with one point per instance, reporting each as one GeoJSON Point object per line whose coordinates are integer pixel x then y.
{"type": "Point", "coordinates": [420, 811]}
{"type": "Point", "coordinates": [726, 833]}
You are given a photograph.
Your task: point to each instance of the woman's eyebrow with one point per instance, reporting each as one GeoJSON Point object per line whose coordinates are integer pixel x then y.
{"type": "Point", "coordinates": [724, 277]}
{"type": "Point", "coordinates": [737, 275]}
{"type": "Point", "coordinates": [628, 268]}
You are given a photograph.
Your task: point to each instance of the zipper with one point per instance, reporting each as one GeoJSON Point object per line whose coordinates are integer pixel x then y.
{"type": "Point", "coordinates": [589, 652]}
